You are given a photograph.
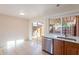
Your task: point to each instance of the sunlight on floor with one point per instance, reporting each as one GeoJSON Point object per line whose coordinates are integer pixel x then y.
{"type": "Point", "coordinates": [21, 47]}
{"type": "Point", "coordinates": [10, 44]}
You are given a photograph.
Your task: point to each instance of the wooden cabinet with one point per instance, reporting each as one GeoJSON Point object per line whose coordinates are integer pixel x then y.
{"type": "Point", "coordinates": [78, 50]}
{"type": "Point", "coordinates": [70, 48]}
{"type": "Point", "coordinates": [58, 47]}
{"type": "Point", "coordinates": [70, 51]}
{"type": "Point", "coordinates": [65, 48]}
{"type": "Point", "coordinates": [77, 25]}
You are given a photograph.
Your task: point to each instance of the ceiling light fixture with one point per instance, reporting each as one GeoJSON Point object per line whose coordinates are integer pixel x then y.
{"type": "Point", "coordinates": [21, 13]}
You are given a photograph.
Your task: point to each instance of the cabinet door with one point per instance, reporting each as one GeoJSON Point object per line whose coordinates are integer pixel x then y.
{"type": "Point", "coordinates": [58, 47]}
{"type": "Point", "coordinates": [77, 25]}
{"type": "Point", "coordinates": [70, 48]}
{"type": "Point", "coordinates": [78, 50]}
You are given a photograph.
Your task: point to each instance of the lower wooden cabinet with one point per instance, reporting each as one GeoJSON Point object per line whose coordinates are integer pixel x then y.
{"type": "Point", "coordinates": [78, 51]}
{"type": "Point", "coordinates": [70, 51]}
{"type": "Point", "coordinates": [70, 48]}
{"type": "Point", "coordinates": [65, 48]}
{"type": "Point", "coordinates": [58, 47]}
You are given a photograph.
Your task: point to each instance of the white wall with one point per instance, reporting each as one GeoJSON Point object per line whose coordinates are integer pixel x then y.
{"type": "Point", "coordinates": [12, 28]}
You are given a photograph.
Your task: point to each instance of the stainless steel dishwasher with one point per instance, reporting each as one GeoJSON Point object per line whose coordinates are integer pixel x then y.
{"type": "Point", "coordinates": [48, 45]}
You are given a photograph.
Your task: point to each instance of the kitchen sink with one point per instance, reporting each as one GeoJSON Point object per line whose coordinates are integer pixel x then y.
{"type": "Point", "coordinates": [67, 38]}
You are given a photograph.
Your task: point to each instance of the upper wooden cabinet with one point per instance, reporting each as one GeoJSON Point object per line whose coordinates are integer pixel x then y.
{"type": "Point", "coordinates": [77, 25]}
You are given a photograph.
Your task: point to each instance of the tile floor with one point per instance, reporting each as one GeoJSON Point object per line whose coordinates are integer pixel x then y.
{"type": "Point", "coordinates": [21, 47]}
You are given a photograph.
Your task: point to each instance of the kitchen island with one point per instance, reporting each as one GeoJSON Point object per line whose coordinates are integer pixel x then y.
{"type": "Point", "coordinates": [59, 45]}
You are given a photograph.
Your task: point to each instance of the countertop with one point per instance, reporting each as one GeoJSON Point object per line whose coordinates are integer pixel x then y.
{"type": "Point", "coordinates": [52, 36]}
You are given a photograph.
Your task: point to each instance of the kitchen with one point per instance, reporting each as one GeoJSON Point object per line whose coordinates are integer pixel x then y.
{"type": "Point", "coordinates": [55, 26]}
{"type": "Point", "coordinates": [63, 37]}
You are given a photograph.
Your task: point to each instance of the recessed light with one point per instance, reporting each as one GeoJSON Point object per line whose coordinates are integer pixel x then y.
{"type": "Point", "coordinates": [21, 13]}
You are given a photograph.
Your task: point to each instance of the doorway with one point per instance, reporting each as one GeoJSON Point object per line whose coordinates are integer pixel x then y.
{"type": "Point", "coordinates": [37, 31]}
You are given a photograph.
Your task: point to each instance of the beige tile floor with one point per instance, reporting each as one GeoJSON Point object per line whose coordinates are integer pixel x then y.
{"type": "Point", "coordinates": [20, 47]}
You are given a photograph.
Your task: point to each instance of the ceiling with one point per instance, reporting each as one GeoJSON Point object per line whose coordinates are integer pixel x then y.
{"type": "Point", "coordinates": [36, 10]}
